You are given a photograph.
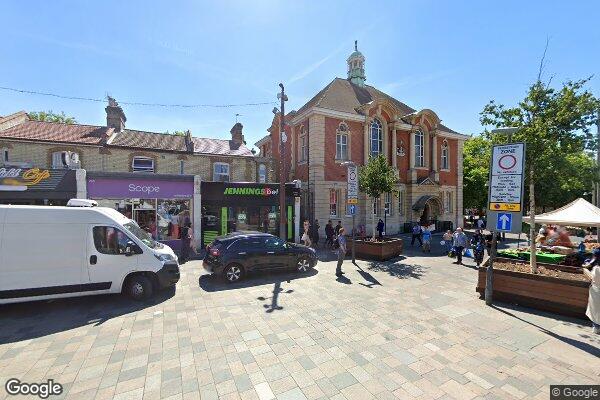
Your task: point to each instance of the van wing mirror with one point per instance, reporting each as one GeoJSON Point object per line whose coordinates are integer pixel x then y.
{"type": "Point", "coordinates": [131, 249]}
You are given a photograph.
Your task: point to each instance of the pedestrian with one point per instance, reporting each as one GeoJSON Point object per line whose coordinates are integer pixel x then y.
{"type": "Point", "coordinates": [426, 240]}
{"type": "Point", "coordinates": [480, 223]}
{"type": "Point", "coordinates": [306, 234]}
{"type": "Point", "coordinates": [416, 234]}
{"type": "Point", "coordinates": [380, 228]}
{"type": "Point", "coordinates": [186, 241]}
{"type": "Point", "coordinates": [338, 227]}
{"type": "Point", "coordinates": [341, 239]}
{"type": "Point", "coordinates": [329, 232]}
{"type": "Point", "coordinates": [447, 239]}
{"type": "Point", "coordinates": [459, 242]}
{"type": "Point", "coordinates": [593, 274]}
{"type": "Point", "coordinates": [315, 233]}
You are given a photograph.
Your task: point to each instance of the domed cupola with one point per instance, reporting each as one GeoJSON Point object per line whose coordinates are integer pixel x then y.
{"type": "Point", "coordinates": [356, 67]}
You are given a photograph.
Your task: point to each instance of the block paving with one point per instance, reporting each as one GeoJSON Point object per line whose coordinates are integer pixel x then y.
{"type": "Point", "coordinates": [413, 328]}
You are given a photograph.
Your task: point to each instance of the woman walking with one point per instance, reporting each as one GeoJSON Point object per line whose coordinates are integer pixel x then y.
{"type": "Point", "coordinates": [593, 274]}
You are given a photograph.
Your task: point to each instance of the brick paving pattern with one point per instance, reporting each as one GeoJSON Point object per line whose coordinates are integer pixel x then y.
{"type": "Point", "coordinates": [413, 328]}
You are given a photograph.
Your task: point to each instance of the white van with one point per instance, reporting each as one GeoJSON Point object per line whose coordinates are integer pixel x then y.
{"type": "Point", "coordinates": [50, 252]}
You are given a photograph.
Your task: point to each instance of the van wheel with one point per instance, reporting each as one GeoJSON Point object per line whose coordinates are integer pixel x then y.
{"type": "Point", "coordinates": [233, 273]}
{"type": "Point", "coordinates": [139, 287]}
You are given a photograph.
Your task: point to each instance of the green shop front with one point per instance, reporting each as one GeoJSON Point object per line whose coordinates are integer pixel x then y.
{"type": "Point", "coordinates": [234, 206]}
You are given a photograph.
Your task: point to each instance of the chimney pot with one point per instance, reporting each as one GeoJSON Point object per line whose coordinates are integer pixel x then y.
{"type": "Point", "coordinates": [236, 134]}
{"type": "Point", "coordinates": [115, 117]}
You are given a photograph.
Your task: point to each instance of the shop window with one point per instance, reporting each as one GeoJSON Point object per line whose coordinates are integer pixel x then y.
{"type": "Point", "coordinates": [221, 172]}
{"type": "Point", "coordinates": [341, 146]}
{"type": "Point", "coordinates": [142, 164]}
{"type": "Point", "coordinates": [262, 173]}
{"type": "Point", "coordinates": [419, 149]}
{"type": "Point", "coordinates": [388, 204]}
{"type": "Point", "coordinates": [445, 155]}
{"type": "Point", "coordinates": [171, 217]}
{"type": "Point", "coordinates": [65, 160]}
{"type": "Point", "coordinates": [376, 138]}
{"type": "Point", "coordinates": [110, 240]}
{"type": "Point", "coordinates": [4, 155]}
{"type": "Point", "coordinates": [333, 202]}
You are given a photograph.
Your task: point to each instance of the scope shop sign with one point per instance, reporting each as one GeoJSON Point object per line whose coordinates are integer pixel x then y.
{"type": "Point", "coordinates": [505, 199]}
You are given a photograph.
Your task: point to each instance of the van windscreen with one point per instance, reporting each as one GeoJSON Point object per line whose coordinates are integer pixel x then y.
{"type": "Point", "coordinates": [142, 235]}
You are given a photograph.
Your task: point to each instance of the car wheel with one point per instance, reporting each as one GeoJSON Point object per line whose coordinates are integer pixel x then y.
{"type": "Point", "coordinates": [303, 264]}
{"type": "Point", "coordinates": [139, 288]}
{"type": "Point", "coordinates": [233, 273]}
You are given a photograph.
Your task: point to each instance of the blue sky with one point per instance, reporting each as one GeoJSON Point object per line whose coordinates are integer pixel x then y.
{"type": "Point", "coordinates": [451, 57]}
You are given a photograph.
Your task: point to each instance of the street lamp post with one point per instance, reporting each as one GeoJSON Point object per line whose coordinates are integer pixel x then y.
{"type": "Point", "coordinates": [282, 139]}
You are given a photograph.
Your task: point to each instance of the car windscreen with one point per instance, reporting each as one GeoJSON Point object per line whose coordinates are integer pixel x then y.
{"type": "Point", "coordinates": [142, 235]}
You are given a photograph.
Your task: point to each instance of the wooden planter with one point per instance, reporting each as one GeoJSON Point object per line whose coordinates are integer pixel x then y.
{"type": "Point", "coordinates": [381, 251]}
{"type": "Point", "coordinates": [547, 293]}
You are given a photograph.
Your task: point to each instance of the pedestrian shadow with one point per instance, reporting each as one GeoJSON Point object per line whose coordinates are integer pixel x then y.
{"type": "Point", "coordinates": [30, 320]}
{"type": "Point", "coordinates": [583, 346]}
{"type": "Point", "coordinates": [274, 306]}
{"type": "Point", "coordinates": [367, 277]}
{"type": "Point", "coordinates": [344, 280]}
{"type": "Point", "coordinates": [215, 283]}
{"type": "Point", "coordinates": [398, 269]}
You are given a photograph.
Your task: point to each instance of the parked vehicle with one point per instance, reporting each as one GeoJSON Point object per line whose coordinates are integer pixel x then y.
{"type": "Point", "coordinates": [52, 252]}
{"type": "Point", "coordinates": [235, 255]}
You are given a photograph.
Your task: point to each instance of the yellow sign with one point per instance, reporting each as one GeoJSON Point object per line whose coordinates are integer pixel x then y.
{"type": "Point", "coordinates": [516, 207]}
{"type": "Point", "coordinates": [18, 177]}
{"type": "Point", "coordinates": [352, 201]}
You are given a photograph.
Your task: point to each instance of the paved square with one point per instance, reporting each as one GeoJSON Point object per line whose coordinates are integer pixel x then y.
{"type": "Point", "coordinates": [413, 328]}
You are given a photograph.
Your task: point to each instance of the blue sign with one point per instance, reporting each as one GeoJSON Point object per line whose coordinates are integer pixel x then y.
{"type": "Point", "coordinates": [351, 209]}
{"type": "Point", "coordinates": [504, 222]}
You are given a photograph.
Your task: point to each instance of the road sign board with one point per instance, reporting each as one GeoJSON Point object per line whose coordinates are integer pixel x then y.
{"type": "Point", "coordinates": [505, 196]}
{"type": "Point", "coordinates": [352, 184]}
{"type": "Point", "coordinates": [352, 209]}
{"type": "Point", "coordinates": [504, 222]}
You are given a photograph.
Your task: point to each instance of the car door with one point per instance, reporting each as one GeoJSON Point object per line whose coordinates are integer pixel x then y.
{"type": "Point", "coordinates": [277, 255]}
{"type": "Point", "coordinates": [250, 252]}
{"type": "Point", "coordinates": [107, 259]}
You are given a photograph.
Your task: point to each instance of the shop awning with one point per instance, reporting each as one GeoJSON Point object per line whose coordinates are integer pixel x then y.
{"type": "Point", "coordinates": [577, 213]}
{"type": "Point", "coordinates": [420, 204]}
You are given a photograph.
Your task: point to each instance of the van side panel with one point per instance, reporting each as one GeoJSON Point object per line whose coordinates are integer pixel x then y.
{"type": "Point", "coordinates": [49, 257]}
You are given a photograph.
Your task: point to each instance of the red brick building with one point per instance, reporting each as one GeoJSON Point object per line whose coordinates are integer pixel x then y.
{"type": "Point", "coordinates": [349, 120]}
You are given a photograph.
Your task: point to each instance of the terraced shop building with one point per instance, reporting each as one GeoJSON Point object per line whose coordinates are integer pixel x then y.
{"type": "Point", "coordinates": [152, 177]}
{"type": "Point", "coordinates": [349, 120]}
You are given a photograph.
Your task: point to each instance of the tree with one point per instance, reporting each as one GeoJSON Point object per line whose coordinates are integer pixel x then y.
{"type": "Point", "coordinates": [50, 116]}
{"type": "Point", "coordinates": [176, 133]}
{"type": "Point", "coordinates": [477, 153]}
{"type": "Point", "coordinates": [375, 178]}
{"type": "Point", "coordinates": [554, 124]}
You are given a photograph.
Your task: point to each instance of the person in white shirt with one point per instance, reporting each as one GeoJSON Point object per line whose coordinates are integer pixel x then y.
{"type": "Point", "coordinates": [593, 274]}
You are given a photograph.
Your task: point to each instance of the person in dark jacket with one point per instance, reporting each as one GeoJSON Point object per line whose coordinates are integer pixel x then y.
{"type": "Point", "coordinates": [329, 232]}
{"type": "Point", "coordinates": [380, 228]}
{"type": "Point", "coordinates": [186, 242]}
{"type": "Point", "coordinates": [315, 233]}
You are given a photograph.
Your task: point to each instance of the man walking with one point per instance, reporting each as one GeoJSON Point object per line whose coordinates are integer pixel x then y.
{"type": "Point", "coordinates": [416, 234]}
{"type": "Point", "coordinates": [338, 227]}
{"type": "Point", "coordinates": [341, 251]}
{"type": "Point", "coordinates": [460, 242]}
{"type": "Point", "coordinates": [329, 232]}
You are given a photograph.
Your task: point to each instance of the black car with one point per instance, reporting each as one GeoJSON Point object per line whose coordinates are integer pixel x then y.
{"type": "Point", "coordinates": [234, 255]}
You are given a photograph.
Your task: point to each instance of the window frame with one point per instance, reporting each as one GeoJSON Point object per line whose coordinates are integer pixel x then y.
{"type": "Point", "coordinates": [303, 146]}
{"type": "Point", "coordinates": [387, 204]}
{"type": "Point", "coordinates": [221, 164]}
{"type": "Point", "coordinates": [64, 164]}
{"type": "Point", "coordinates": [143, 169]}
{"type": "Point", "coordinates": [445, 156]}
{"type": "Point", "coordinates": [334, 207]}
{"type": "Point", "coordinates": [375, 126]}
{"type": "Point", "coordinates": [341, 149]}
{"type": "Point", "coordinates": [181, 167]}
{"type": "Point", "coordinates": [4, 154]}
{"type": "Point", "coordinates": [419, 149]}
{"type": "Point", "coordinates": [448, 202]}
{"type": "Point", "coordinates": [118, 231]}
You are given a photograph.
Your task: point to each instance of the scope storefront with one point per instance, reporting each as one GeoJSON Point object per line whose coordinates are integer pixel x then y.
{"type": "Point", "coordinates": [160, 204]}
{"type": "Point", "coordinates": [230, 206]}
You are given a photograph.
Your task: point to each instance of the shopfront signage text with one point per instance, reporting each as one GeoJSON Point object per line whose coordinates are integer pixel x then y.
{"type": "Point", "coordinates": [250, 191]}
{"type": "Point", "coordinates": [144, 188]}
{"type": "Point", "coordinates": [20, 177]}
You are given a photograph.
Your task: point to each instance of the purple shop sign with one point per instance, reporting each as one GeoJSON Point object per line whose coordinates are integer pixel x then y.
{"type": "Point", "coordinates": [104, 188]}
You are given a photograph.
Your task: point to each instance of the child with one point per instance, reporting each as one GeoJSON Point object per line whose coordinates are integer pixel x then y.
{"type": "Point", "coordinates": [426, 240]}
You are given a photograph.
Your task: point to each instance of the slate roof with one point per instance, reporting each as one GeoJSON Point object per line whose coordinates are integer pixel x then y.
{"type": "Point", "coordinates": [220, 147]}
{"type": "Point", "coordinates": [56, 132]}
{"type": "Point", "coordinates": [148, 140]}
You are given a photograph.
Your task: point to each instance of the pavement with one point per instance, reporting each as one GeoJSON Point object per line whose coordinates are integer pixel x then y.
{"type": "Point", "coordinates": [410, 328]}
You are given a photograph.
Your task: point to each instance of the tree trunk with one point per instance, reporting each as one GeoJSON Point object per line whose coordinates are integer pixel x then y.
{"type": "Point", "coordinates": [373, 216]}
{"type": "Point", "coordinates": [532, 232]}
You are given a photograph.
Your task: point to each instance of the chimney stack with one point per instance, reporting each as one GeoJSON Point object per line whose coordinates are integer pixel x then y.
{"type": "Point", "coordinates": [115, 117]}
{"type": "Point", "coordinates": [236, 134]}
{"type": "Point", "coordinates": [189, 143]}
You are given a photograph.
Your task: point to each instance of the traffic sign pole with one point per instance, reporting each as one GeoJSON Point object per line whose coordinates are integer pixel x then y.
{"type": "Point", "coordinates": [352, 195]}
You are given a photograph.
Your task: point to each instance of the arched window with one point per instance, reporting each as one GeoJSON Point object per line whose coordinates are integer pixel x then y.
{"type": "Point", "coordinates": [419, 149]}
{"type": "Point", "coordinates": [262, 173]}
{"type": "Point", "coordinates": [445, 155]}
{"type": "Point", "coordinates": [376, 139]}
{"type": "Point", "coordinates": [341, 142]}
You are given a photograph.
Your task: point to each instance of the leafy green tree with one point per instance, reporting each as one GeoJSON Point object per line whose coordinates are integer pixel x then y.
{"type": "Point", "coordinates": [554, 123]}
{"type": "Point", "coordinates": [477, 153]}
{"type": "Point", "coordinates": [176, 133]}
{"type": "Point", "coordinates": [375, 178]}
{"type": "Point", "coordinates": [50, 116]}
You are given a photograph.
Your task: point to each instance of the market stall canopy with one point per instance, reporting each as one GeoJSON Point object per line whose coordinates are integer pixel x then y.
{"type": "Point", "coordinates": [577, 213]}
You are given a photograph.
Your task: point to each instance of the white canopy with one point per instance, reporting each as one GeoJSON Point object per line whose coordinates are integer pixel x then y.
{"type": "Point", "coordinates": [577, 213]}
